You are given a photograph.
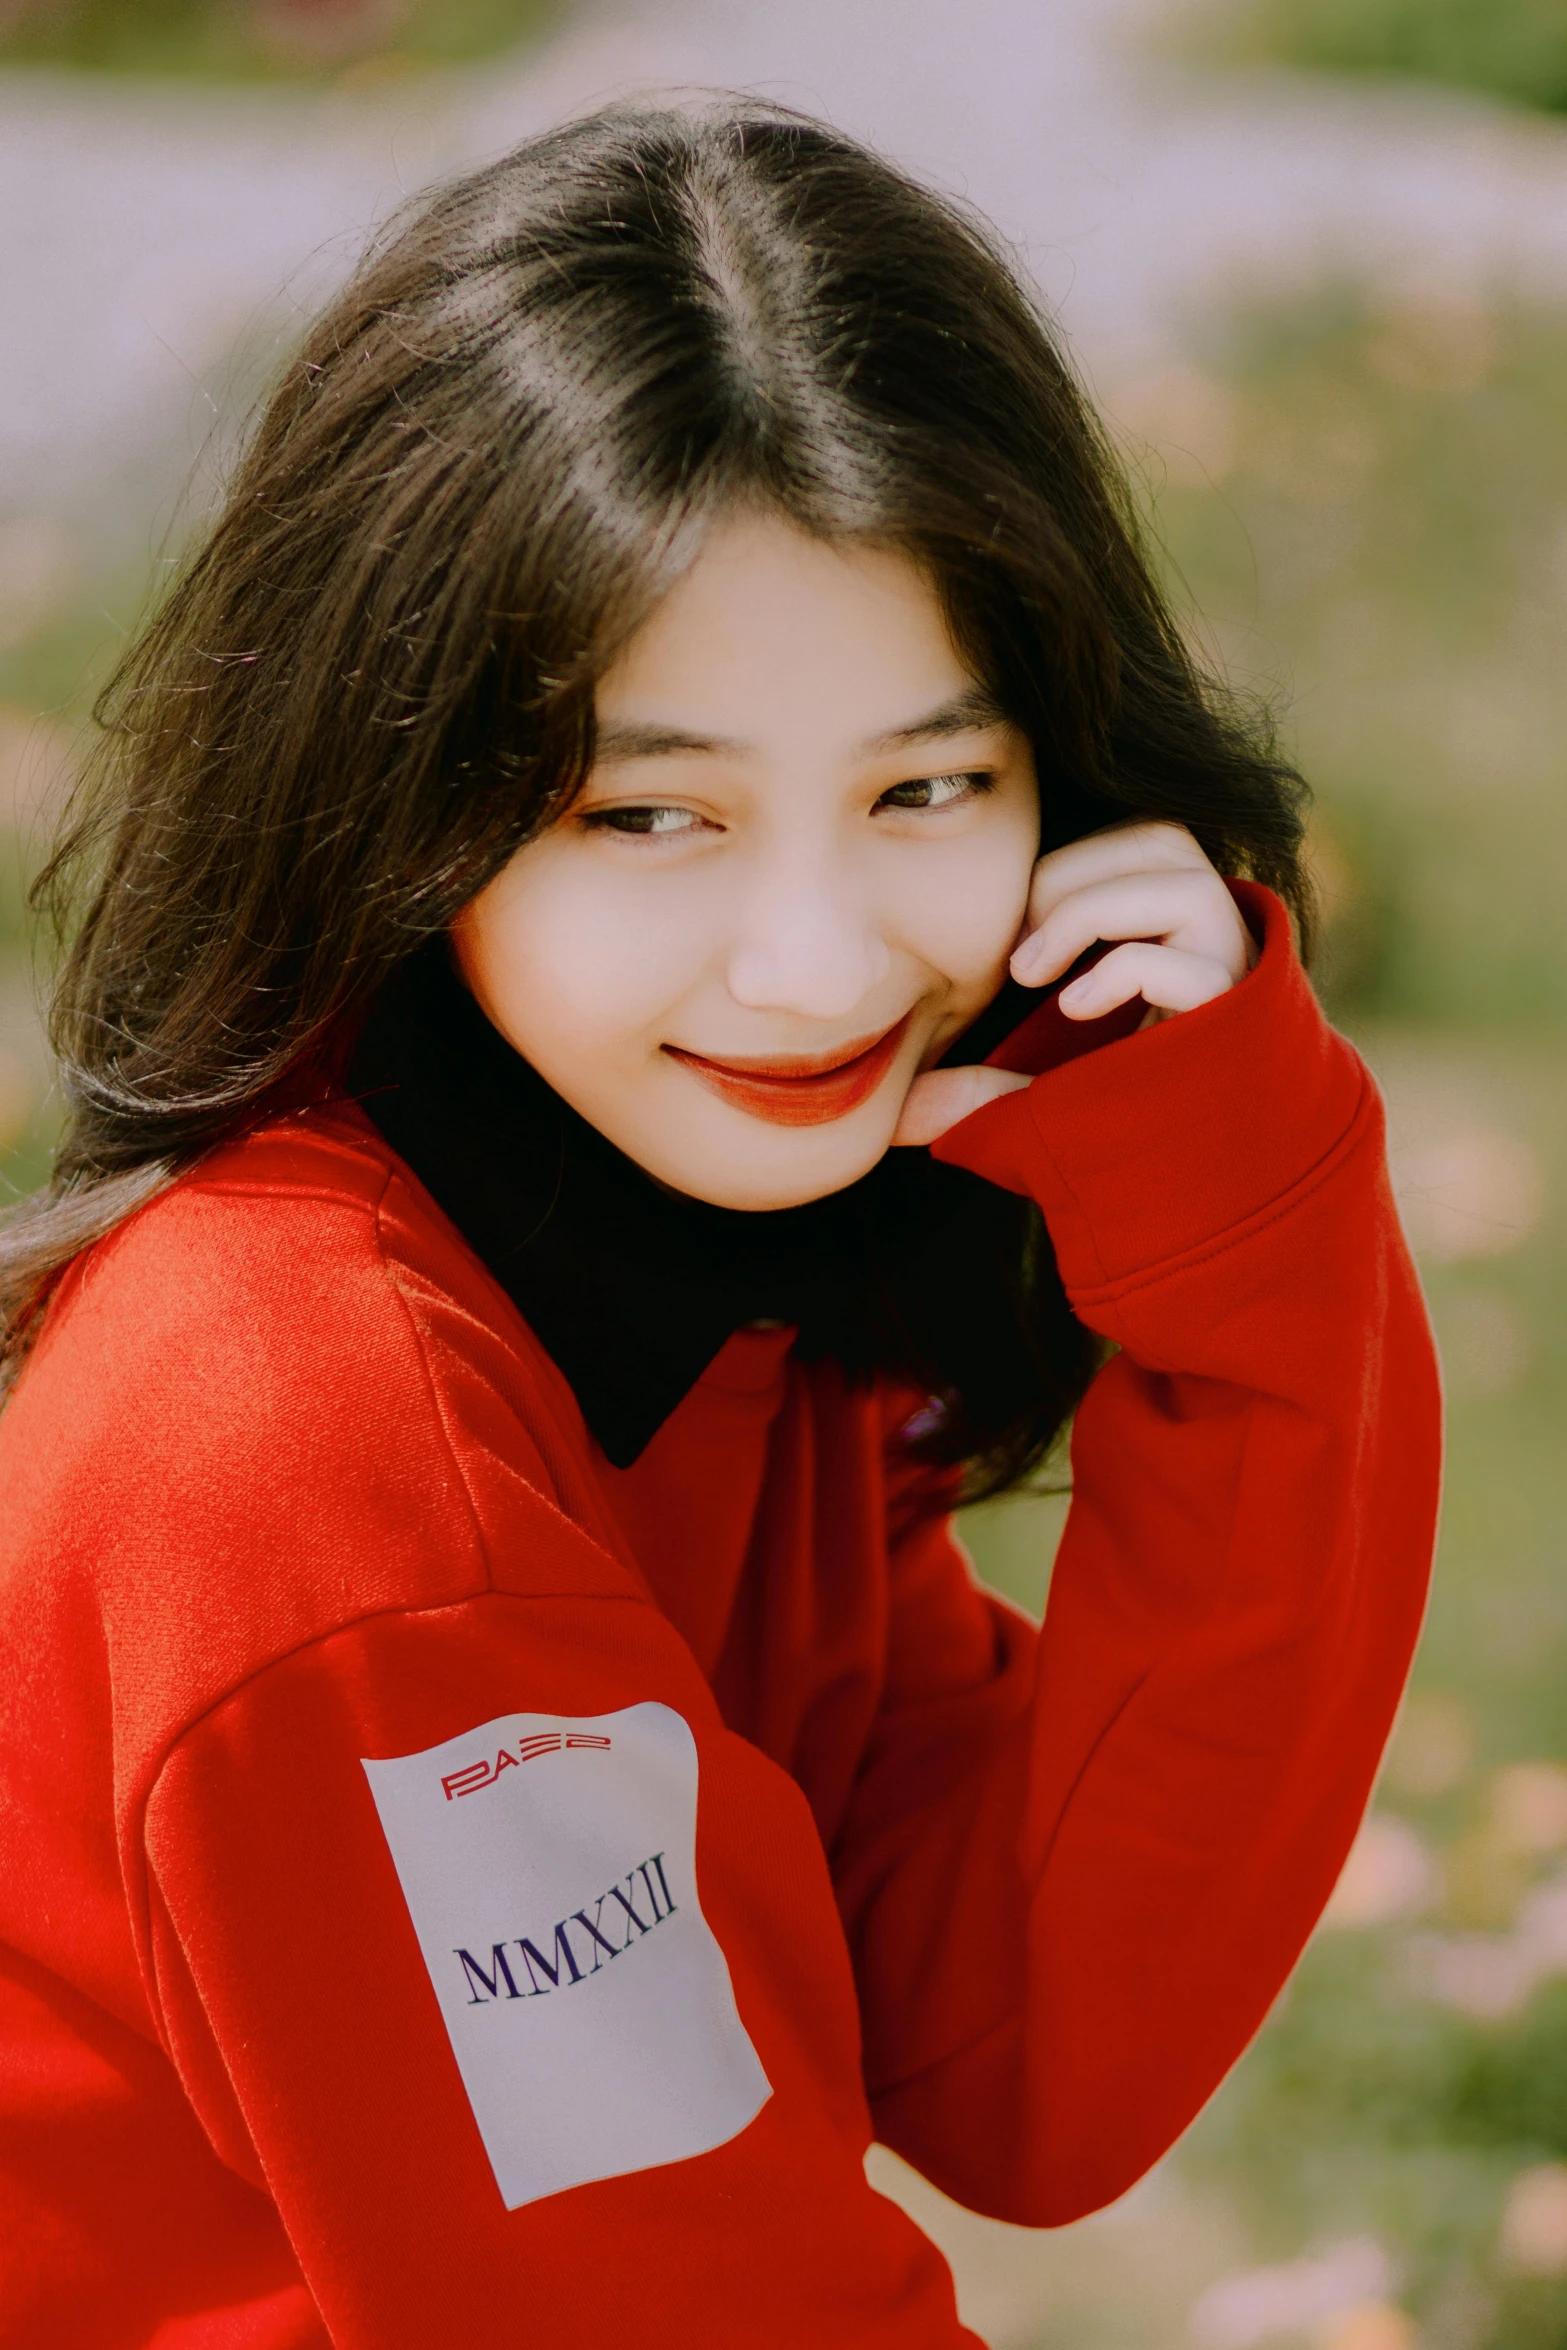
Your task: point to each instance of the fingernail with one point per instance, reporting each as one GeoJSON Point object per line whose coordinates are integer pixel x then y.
{"type": "Point", "coordinates": [1080, 992]}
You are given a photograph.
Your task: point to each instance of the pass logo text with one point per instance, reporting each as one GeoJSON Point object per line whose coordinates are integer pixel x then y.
{"type": "Point", "coordinates": [511, 1758]}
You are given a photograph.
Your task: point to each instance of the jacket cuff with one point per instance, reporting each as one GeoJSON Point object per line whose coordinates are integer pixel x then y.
{"type": "Point", "coordinates": [1161, 1142]}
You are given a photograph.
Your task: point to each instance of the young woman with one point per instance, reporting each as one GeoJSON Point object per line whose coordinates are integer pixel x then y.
{"type": "Point", "coordinates": [509, 1782]}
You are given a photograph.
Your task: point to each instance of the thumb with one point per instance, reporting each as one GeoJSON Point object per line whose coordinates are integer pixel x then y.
{"type": "Point", "coordinates": [942, 1096]}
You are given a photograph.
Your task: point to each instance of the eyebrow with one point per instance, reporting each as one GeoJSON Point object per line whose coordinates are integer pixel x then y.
{"type": "Point", "coordinates": [963, 713]}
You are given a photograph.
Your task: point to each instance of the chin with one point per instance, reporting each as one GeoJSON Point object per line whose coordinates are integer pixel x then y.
{"type": "Point", "coordinates": [761, 1201]}
{"type": "Point", "coordinates": [763, 1181]}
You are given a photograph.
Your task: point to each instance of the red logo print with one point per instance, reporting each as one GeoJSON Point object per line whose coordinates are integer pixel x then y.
{"type": "Point", "coordinates": [484, 1774]}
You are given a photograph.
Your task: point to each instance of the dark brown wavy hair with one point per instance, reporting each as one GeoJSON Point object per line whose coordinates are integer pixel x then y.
{"type": "Point", "coordinates": [497, 449]}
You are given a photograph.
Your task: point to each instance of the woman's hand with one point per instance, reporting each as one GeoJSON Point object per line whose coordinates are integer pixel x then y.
{"type": "Point", "coordinates": [1147, 884]}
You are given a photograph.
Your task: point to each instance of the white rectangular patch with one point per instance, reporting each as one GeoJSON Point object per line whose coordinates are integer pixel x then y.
{"type": "Point", "coordinates": [549, 1866]}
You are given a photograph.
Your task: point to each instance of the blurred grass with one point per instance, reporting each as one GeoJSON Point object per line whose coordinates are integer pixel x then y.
{"type": "Point", "coordinates": [1365, 495]}
{"type": "Point", "coordinates": [1514, 49]}
{"type": "Point", "coordinates": [28, 1106]}
{"type": "Point", "coordinates": [265, 40]}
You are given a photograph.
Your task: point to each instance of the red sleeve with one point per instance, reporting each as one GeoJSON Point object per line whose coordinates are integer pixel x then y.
{"type": "Point", "coordinates": [1073, 1895]}
{"type": "Point", "coordinates": [439, 1930]}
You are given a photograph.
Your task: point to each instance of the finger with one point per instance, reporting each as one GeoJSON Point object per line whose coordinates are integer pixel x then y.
{"type": "Point", "coordinates": [942, 1096]}
{"type": "Point", "coordinates": [1104, 856]}
{"type": "Point", "coordinates": [1189, 910]}
{"type": "Point", "coordinates": [1165, 977]}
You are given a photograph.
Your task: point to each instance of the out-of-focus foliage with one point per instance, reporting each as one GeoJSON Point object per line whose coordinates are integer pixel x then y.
{"type": "Point", "coordinates": [28, 1108]}
{"type": "Point", "coordinates": [266, 40]}
{"type": "Point", "coordinates": [1366, 498]}
{"type": "Point", "coordinates": [65, 612]}
{"type": "Point", "coordinates": [1513, 49]}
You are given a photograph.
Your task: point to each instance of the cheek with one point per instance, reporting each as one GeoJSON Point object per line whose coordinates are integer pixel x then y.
{"type": "Point", "coordinates": [961, 912]}
{"type": "Point", "coordinates": [566, 958]}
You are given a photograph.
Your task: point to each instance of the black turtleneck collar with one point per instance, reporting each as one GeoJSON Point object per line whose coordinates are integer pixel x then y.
{"type": "Point", "coordinates": [631, 1289]}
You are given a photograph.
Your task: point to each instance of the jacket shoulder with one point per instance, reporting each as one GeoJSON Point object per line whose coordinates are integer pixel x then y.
{"type": "Point", "coordinates": [247, 1421]}
{"type": "Point", "coordinates": [250, 1274]}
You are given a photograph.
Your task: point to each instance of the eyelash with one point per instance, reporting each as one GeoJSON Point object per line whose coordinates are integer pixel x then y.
{"type": "Point", "coordinates": [977, 780]}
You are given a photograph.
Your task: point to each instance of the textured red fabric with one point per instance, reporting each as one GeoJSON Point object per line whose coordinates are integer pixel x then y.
{"type": "Point", "coordinates": [288, 1483]}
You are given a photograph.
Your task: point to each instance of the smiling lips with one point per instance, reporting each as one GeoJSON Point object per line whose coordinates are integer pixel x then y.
{"type": "Point", "coordinates": [796, 1089]}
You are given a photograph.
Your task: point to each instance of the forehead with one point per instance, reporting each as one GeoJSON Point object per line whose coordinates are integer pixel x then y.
{"type": "Point", "coordinates": [770, 629]}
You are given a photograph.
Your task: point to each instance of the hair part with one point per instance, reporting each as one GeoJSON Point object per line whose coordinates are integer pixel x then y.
{"type": "Point", "coordinates": [499, 446]}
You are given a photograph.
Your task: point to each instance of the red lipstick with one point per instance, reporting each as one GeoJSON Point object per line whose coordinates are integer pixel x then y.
{"type": "Point", "coordinates": [797, 1089]}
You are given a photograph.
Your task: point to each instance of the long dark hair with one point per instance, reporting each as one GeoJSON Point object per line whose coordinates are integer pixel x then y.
{"type": "Point", "coordinates": [499, 446]}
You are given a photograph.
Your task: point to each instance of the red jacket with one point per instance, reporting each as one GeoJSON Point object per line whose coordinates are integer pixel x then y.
{"type": "Point", "coordinates": [455, 1888]}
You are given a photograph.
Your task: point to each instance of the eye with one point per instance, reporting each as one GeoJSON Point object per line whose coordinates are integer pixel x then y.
{"type": "Point", "coordinates": [937, 791]}
{"type": "Point", "coordinates": [646, 823]}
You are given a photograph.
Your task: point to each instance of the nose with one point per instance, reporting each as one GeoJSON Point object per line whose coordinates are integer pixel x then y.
{"type": "Point", "coordinates": [805, 942]}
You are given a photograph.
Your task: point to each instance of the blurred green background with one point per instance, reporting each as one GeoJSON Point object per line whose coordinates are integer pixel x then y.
{"type": "Point", "coordinates": [1359, 489]}
{"type": "Point", "coordinates": [301, 41]}
{"type": "Point", "coordinates": [1514, 49]}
